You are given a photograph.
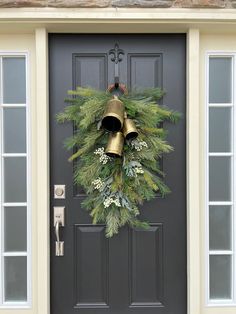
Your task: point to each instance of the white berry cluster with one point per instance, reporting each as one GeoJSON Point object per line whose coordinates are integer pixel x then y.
{"type": "Point", "coordinates": [103, 157]}
{"type": "Point", "coordinates": [110, 200]}
{"type": "Point", "coordinates": [98, 184]}
{"type": "Point", "coordinates": [138, 145]}
{"type": "Point", "coordinates": [139, 170]}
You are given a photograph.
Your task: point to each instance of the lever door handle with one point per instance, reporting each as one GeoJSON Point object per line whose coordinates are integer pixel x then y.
{"type": "Point", "coordinates": [59, 244]}
{"type": "Point", "coordinates": [57, 228]}
{"type": "Point", "coordinates": [58, 222]}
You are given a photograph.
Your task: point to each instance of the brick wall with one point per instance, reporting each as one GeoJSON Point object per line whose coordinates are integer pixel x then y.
{"type": "Point", "coordinates": [119, 3]}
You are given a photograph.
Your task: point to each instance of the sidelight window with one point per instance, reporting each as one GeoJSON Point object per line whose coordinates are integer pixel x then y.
{"type": "Point", "coordinates": [14, 173]}
{"type": "Point", "coordinates": [220, 166]}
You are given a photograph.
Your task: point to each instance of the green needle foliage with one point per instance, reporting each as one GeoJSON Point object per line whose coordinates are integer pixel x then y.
{"type": "Point", "coordinates": [115, 187]}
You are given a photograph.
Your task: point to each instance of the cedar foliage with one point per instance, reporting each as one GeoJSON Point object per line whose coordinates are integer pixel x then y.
{"type": "Point", "coordinates": [119, 178]}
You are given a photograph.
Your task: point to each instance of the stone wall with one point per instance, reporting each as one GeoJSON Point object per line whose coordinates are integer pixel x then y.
{"type": "Point", "coordinates": [119, 3]}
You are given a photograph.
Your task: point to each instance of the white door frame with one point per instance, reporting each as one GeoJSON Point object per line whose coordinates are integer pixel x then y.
{"type": "Point", "coordinates": [193, 193]}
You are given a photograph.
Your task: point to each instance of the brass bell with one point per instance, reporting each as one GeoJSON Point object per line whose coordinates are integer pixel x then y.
{"type": "Point", "coordinates": [129, 129]}
{"type": "Point", "coordinates": [115, 144]}
{"type": "Point", "coordinates": [113, 117]}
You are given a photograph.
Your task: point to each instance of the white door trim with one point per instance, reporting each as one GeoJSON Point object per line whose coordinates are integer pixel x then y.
{"type": "Point", "coordinates": [193, 173]}
{"type": "Point", "coordinates": [43, 191]}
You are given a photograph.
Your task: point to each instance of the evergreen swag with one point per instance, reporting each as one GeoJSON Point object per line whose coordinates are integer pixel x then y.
{"type": "Point", "coordinates": [116, 186]}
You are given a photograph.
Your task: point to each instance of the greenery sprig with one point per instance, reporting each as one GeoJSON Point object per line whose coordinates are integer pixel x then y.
{"type": "Point", "coordinates": [115, 187]}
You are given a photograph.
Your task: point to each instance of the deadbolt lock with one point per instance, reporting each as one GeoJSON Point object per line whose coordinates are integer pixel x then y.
{"type": "Point", "coordinates": [59, 191]}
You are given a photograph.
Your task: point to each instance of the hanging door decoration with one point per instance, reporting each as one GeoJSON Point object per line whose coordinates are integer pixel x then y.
{"type": "Point", "coordinates": [117, 146]}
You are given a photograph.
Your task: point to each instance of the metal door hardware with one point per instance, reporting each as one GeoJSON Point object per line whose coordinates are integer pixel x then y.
{"type": "Point", "coordinates": [59, 191]}
{"type": "Point", "coordinates": [59, 215]}
{"type": "Point", "coordinates": [117, 54]}
{"type": "Point", "coordinates": [59, 250]}
{"type": "Point", "coordinates": [59, 221]}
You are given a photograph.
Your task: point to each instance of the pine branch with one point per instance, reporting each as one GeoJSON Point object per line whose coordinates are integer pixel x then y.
{"type": "Point", "coordinates": [116, 187]}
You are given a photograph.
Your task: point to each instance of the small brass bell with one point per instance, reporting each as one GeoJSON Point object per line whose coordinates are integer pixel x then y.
{"type": "Point", "coordinates": [129, 129]}
{"type": "Point", "coordinates": [115, 144]}
{"type": "Point", "coordinates": [114, 115]}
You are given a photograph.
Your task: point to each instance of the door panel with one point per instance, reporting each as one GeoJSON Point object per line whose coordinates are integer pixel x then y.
{"type": "Point", "coordinates": [87, 64]}
{"type": "Point", "coordinates": [146, 266]}
{"type": "Point", "coordinates": [136, 271]}
{"type": "Point", "coordinates": [91, 267]}
{"type": "Point", "coordinates": [144, 70]}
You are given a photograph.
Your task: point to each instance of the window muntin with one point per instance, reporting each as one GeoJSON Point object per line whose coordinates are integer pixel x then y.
{"type": "Point", "coordinates": [15, 261]}
{"type": "Point", "coordinates": [220, 170]}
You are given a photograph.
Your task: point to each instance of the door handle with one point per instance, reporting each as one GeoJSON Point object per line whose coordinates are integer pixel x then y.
{"type": "Point", "coordinates": [59, 222]}
{"type": "Point", "coordinates": [59, 244]}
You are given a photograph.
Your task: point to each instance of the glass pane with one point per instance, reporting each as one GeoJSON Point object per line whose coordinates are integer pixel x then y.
{"type": "Point", "coordinates": [220, 80]}
{"type": "Point", "coordinates": [14, 130]}
{"type": "Point", "coordinates": [220, 277]}
{"type": "Point", "coordinates": [220, 129]}
{"type": "Point", "coordinates": [15, 278]}
{"type": "Point", "coordinates": [220, 227]}
{"type": "Point", "coordinates": [14, 81]}
{"type": "Point", "coordinates": [15, 223]}
{"type": "Point", "coordinates": [15, 179]}
{"type": "Point", "coordinates": [219, 178]}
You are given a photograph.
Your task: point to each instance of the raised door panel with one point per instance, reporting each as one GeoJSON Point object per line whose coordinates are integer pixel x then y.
{"type": "Point", "coordinates": [146, 266]}
{"type": "Point", "coordinates": [91, 266]}
{"type": "Point", "coordinates": [90, 70]}
{"type": "Point", "coordinates": [144, 70]}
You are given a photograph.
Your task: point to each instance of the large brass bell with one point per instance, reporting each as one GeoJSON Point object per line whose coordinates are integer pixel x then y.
{"type": "Point", "coordinates": [114, 115]}
{"type": "Point", "coordinates": [115, 144]}
{"type": "Point", "coordinates": [129, 129]}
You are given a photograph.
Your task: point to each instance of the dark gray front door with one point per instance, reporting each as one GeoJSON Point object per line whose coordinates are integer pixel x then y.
{"type": "Point", "coordinates": [137, 271]}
